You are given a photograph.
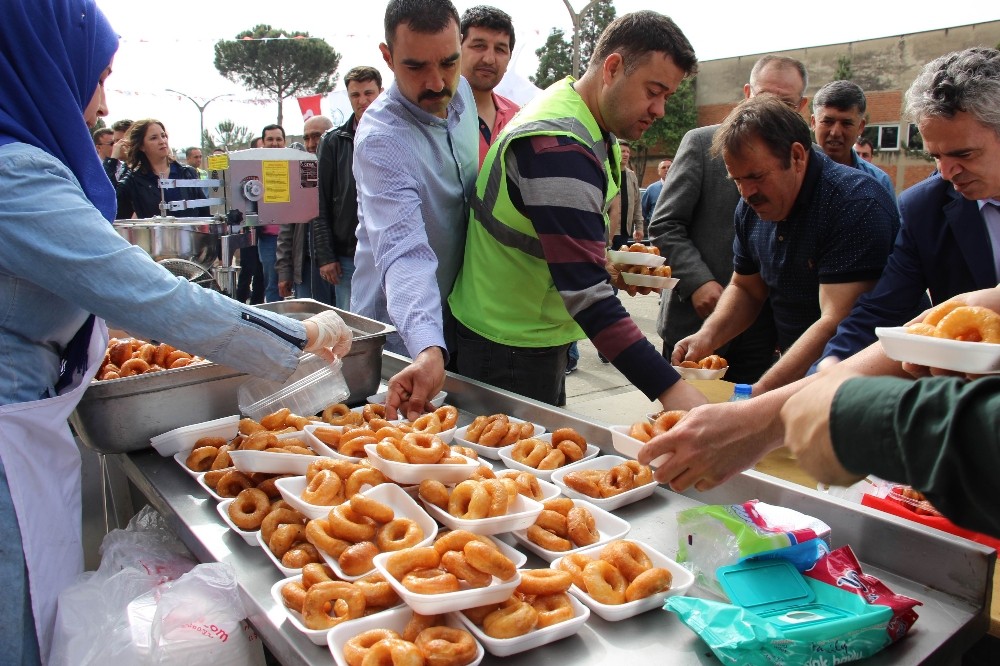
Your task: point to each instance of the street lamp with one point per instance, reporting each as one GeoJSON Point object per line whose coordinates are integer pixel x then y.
{"type": "Point", "coordinates": [201, 113]}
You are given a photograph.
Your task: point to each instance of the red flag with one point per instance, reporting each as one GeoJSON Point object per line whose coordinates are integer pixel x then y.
{"type": "Point", "coordinates": [310, 106]}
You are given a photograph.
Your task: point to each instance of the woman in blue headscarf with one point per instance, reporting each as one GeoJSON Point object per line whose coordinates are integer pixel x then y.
{"type": "Point", "coordinates": [62, 263]}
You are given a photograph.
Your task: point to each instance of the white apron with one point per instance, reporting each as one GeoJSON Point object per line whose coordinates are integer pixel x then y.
{"type": "Point", "coordinates": [43, 471]}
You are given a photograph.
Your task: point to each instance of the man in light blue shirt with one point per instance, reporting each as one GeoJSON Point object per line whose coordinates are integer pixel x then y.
{"type": "Point", "coordinates": [838, 119]}
{"type": "Point", "coordinates": [416, 159]}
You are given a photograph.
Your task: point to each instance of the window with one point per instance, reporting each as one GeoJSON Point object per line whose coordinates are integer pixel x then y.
{"type": "Point", "coordinates": [883, 137]}
{"type": "Point", "coordinates": [913, 140]}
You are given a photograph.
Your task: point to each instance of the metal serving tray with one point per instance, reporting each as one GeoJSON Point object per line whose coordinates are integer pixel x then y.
{"type": "Point", "coordinates": [951, 576]}
{"type": "Point", "coordinates": [120, 415]}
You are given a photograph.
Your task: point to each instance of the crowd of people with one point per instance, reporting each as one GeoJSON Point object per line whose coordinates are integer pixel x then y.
{"type": "Point", "coordinates": [479, 231]}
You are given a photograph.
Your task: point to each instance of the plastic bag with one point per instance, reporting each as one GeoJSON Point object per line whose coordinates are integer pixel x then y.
{"type": "Point", "coordinates": [148, 603]}
{"type": "Point", "coordinates": [875, 617]}
{"type": "Point", "coordinates": [712, 536]}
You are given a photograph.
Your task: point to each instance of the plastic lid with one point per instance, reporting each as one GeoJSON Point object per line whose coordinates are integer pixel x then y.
{"type": "Point", "coordinates": [743, 389]}
{"type": "Point", "coordinates": [765, 586]}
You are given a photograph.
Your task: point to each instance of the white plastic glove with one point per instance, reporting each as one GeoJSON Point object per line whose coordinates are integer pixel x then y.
{"type": "Point", "coordinates": [327, 330]}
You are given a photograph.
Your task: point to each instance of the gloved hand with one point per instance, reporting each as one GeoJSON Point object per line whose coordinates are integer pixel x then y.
{"type": "Point", "coordinates": [326, 331]}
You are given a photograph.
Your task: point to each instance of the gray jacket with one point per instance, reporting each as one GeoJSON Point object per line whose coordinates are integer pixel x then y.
{"type": "Point", "coordinates": [692, 224]}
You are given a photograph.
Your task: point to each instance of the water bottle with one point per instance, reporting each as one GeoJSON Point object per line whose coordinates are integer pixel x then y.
{"type": "Point", "coordinates": [742, 392]}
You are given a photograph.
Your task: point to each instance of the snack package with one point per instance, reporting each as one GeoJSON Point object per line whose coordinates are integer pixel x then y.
{"type": "Point", "coordinates": [717, 535]}
{"type": "Point", "coordinates": [842, 615]}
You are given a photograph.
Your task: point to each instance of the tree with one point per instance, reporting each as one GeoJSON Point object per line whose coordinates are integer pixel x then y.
{"type": "Point", "coordinates": [279, 63]}
{"type": "Point", "coordinates": [230, 135]}
{"type": "Point", "coordinates": [595, 20]}
{"type": "Point", "coordinates": [664, 135]}
{"type": "Point", "coordinates": [844, 71]}
{"type": "Point", "coordinates": [555, 58]}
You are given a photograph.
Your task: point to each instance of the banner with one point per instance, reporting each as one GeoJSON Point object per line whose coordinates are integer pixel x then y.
{"type": "Point", "coordinates": [310, 106]}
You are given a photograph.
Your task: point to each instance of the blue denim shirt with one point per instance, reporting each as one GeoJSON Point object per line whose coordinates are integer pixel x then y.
{"type": "Point", "coordinates": [60, 260]}
{"type": "Point", "coordinates": [415, 174]}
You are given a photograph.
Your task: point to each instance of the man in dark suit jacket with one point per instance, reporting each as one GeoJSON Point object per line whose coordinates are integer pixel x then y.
{"type": "Point", "coordinates": [692, 224]}
{"type": "Point", "coordinates": [943, 247]}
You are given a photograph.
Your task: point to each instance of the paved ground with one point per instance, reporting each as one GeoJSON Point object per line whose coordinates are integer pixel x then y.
{"type": "Point", "coordinates": [598, 390]}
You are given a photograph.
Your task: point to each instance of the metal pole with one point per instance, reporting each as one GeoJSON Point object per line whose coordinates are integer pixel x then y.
{"type": "Point", "coordinates": [201, 114]}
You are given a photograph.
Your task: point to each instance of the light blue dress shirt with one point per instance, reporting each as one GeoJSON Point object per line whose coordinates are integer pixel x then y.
{"type": "Point", "coordinates": [60, 260]}
{"type": "Point", "coordinates": [415, 174]}
{"type": "Point", "coordinates": [881, 176]}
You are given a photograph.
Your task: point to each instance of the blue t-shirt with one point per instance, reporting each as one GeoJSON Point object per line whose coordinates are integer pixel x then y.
{"type": "Point", "coordinates": [840, 229]}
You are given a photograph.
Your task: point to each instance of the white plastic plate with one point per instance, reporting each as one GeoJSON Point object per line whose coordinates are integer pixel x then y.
{"type": "Point", "coordinates": [249, 536]}
{"type": "Point", "coordinates": [521, 514]}
{"type": "Point", "coordinates": [629, 446]}
{"type": "Point", "coordinates": [609, 526]}
{"type": "Point", "coordinates": [380, 398]}
{"type": "Point", "coordinates": [268, 462]}
{"type": "Point", "coordinates": [395, 619]}
{"type": "Point", "coordinates": [410, 474]}
{"type": "Point", "coordinates": [502, 647]}
{"type": "Point", "coordinates": [514, 555]}
{"type": "Point", "coordinates": [544, 474]}
{"type": "Point", "coordinates": [549, 489]}
{"type": "Point", "coordinates": [652, 281]}
{"type": "Point", "coordinates": [979, 358]}
{"type": "Point", "coordinates": [636, 258]}
{"type": "Point", "coordinates": [488, 451]}
{"type": "Point", "coordinates": [682, 582]}
{"type": "Point", "coordinates": [319, 447]}
{"type": "Point", "coordinates": [184, 438]}
{"type": "Point", "coordinates": [277, 561]}
{"type": "Point", "coordinates": [604, 462]}
{"type": "Point", "coordinates": [200, 478]}
{"type": "Point", "coordinates": [317, 636]}
{"type": "Point", "coordinates": [181, 458]}
{"type": "Point", "coordinates": [291, 488]}
{"type": "Point", "coordinates": [700, 373]}
{"type": "Point", "coordinates": [403, 506]}
{"type": "Point", "coordinates": [433, 604]}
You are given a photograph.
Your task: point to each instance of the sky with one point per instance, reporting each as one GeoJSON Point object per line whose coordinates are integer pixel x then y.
{"type": "Point", "coordinates": [170, 45]}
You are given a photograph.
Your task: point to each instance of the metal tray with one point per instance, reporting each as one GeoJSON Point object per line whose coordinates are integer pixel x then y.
{"type": "Point", "coordinates": [120, 415]}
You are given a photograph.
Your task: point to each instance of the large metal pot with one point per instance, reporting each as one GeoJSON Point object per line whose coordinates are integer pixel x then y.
{"type": "Point", "coordinates": [191, 239]}
{"type": "Point", "coordinates": [120, 415]}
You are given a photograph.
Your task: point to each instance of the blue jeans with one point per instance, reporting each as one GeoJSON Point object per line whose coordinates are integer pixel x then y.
{"type": "Point", "coordinates": [17, 625]}
{"type": "Point", "coordinates": [267, 248]}
{"type": "Point", "coordinates": [343, 288]}
{"type": "Point", "coordinates": [304, 289]}
{"type": "Point", "coordinates": [535, 372]}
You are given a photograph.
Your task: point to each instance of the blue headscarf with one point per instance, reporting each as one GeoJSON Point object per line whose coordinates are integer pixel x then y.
{"type": "Point", "coordinates": [52, 53]}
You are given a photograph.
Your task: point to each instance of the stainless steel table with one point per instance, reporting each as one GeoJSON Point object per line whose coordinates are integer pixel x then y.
{"type": "Point", "coordinates": [951, 576]}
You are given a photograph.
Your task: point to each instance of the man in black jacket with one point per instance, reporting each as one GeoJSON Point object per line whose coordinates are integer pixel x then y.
{"type": "Point", "coordinates": [333, 233]}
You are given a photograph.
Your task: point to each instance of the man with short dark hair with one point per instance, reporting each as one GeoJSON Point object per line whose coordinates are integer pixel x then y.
{"type": "Point", "coordinates": [104, 142]}
{"type": "Point", "coordinates": [487, 44]}
{"type": "Point", "coordinates": [812, 235]}
{"type": "Point", "coordinates": [267, 236]}
{"type": "Point", "coordinates": [273, 136]}
{"type": "Point", "coordinates": [692, 224]}
{"type": "Point", "coordinates": [257, 142]}
{"type": "Point", "coordinates": [652, 193]}
{"type": "Point", "coordinates": [534, 278]}
{"type": "Point", "coordinates": [415, 157]}
{"type": "Point", "coordinates": [334, 236]}
{"type": "Point", "coordinates": [113, 164]}
{"type": "Point", "coordinates": [292, 258]}
{"type": "Point", "coordinates": [193, 158]}
{"type": "Point", "coordinates": [864, 149]}
{"type": "Point", "coordinates": [625, 212]}
{"type": "Point", "coordinates": [838, 119]}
